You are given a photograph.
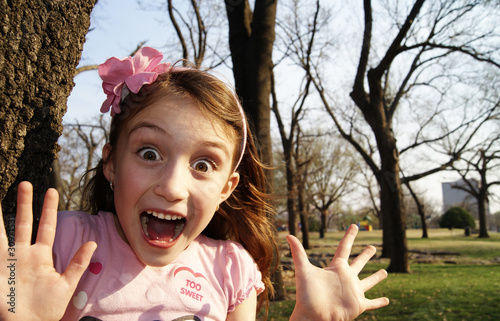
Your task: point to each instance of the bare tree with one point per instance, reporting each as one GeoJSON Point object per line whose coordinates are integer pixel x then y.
{"type": "Point", "coordinates": [290, 137]}
{"type": "Point", "coordinates": [198, 36]}
{"type": "Point", "coordinates": [80, 145]}
{"type": "Point", "coordinates": [331, 178]}
{"type": "Point", "coordinates": [422, 56]}
{"type": "Point", "coordinates": [482, 161]}
{"type": "Point", "coordinates": [303, 160]}
{"type": "Point", "coordinates": [40, 46]}
{"type": "Point", "coordinates": [288, 142]}
{"type": "Point", "coordinates": [193, 21]}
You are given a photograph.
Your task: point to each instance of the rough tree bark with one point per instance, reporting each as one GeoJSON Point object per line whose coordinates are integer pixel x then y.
{"type": "Point", "coordinates": [40, 46]}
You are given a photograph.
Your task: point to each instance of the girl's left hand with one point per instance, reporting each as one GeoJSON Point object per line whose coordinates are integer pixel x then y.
{"type": "Point", "coordinates": [335, 292]}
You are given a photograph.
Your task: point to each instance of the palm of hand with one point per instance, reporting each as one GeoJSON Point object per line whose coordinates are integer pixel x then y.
{"type": "Point", "coordinates": [41, 293]}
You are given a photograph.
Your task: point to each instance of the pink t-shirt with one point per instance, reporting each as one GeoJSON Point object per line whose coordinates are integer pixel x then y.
{"type": "Point", "coordinates": [205, 282]}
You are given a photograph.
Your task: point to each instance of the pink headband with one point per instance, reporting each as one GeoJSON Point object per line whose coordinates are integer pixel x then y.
{"type": "Point", "coordinates": [121, 76]}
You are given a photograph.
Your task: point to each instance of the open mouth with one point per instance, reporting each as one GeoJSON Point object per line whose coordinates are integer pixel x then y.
{"type": "Point", "coordinates": [162, 227]}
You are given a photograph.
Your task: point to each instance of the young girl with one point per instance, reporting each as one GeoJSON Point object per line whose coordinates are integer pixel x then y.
{"type": "Point", "coordinates": [180, 218]}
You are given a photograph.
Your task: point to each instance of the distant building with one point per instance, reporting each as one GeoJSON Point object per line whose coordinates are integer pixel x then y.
{"type": "Point", "coordinates": [456, 197]}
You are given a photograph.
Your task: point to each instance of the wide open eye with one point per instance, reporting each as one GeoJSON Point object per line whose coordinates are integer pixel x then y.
{"type": "Point", "coordinates": [149, 154]}
{"type": "Point", "coordinates": [203, 165]}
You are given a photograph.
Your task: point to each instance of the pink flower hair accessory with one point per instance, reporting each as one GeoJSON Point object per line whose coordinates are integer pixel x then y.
{"type": "Point", "coordinates": [119, 76]}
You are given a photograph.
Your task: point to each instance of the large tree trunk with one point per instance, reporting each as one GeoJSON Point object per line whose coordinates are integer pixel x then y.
{"type": "Point", "coordinates": [40, 46]}
{"type": "Point", "coordinates": [251, 38]}
{"type": "Point", "coordinates": [392, 208]}
{"type": "Point", "coordinates": [391, 203]}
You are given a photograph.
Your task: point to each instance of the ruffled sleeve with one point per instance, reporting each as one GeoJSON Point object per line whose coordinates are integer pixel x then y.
{"type": "Point", "coordinates": [242, 275]}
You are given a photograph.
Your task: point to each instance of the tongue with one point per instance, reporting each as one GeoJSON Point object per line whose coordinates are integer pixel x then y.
{"type": "Point", "coordinates": [161, 230]}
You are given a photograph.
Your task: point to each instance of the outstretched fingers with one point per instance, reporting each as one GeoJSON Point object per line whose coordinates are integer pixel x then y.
{"type": "Point", "coordinates": [24, 214]}
{"type": "Point", "coordinates": [372, 280]}
{"type": "Point", "coordinates": [360, 261]}
{"type": "Point", "coordinates": [344, 250]}
{"type": "Point", "coordinates": [376, 303]}
{"type": "Point", "coordinates": [48, 220]}
{"type": "Point", "coordinates": [299, 255]}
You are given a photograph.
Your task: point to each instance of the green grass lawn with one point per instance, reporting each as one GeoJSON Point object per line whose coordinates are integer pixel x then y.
{"type": "Point", "coordinates": [462, 283]}
{"type": "Point", "coordinates": [440, 292]}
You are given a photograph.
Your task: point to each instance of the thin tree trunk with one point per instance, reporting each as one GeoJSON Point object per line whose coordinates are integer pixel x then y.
{"type": "Point", "coordinates": [483, 226]}
{"type": "Point", "coordinates": [421, 212]}
{"type": "Point", "coordinates": [291, 195]}
{"type": "Point", "coordinates": [420, 209]}
{"type": "Point", "coordinates": [323, 224]}
{"type": "Point", "coordinates": [304, 221]}
{"type": "Point", "coordinates": [483, 197]}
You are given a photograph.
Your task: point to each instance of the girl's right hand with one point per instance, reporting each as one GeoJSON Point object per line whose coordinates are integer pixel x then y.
{"type": "Point", "coordinates": [30, 287]}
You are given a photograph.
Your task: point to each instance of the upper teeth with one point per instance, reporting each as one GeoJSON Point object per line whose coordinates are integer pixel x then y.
{"type": "Point", "coordinates": [165, 216]}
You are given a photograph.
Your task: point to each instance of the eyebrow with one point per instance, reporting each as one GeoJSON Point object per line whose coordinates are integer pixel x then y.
{"type": "Point", "coordinates": [210, 144]}
{"type": "Point", "coordinates": [221, 146]}
{"type": "Point", "coordinates": [148, 125]}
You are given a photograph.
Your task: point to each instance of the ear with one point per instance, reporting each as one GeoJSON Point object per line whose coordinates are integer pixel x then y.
{"type": "Point", "coordinates": [228, 189]}
{"type": "Point", "coordinates": [108, 167]}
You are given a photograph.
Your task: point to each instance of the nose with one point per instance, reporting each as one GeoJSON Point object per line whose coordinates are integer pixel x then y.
{"type": "Point", "coordinates": [172, 182]}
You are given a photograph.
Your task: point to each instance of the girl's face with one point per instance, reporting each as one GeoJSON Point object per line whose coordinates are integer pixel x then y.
{"type": "Point", "coordinates": [171, 168]}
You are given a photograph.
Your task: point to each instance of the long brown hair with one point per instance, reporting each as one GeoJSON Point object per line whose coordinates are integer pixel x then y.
{"type": "Point", "coordinates": [245, 216]}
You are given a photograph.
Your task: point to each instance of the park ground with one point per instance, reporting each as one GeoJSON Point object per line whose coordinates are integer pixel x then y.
{"type": "Point", "coordinates": [452, 277]}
